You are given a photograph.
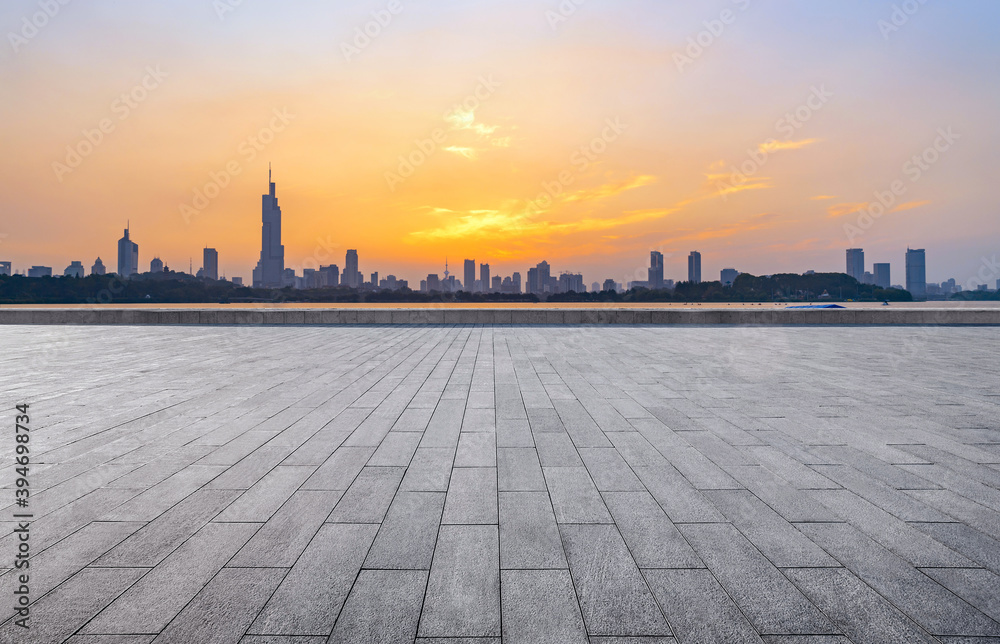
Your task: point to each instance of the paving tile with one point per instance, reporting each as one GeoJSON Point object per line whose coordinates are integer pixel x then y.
{"type": "Point", "coordinates": [609, 470]}
{"type": "Point", "coordinates": [698, 609]}
{"type": "Point", "coordinates": [514, 432]}
{"type": "Point", "coordinates": [59, 614]}
{"type": "Point", "coordinates": [476, 450]}
{"type": "Point", "coordinates": [898, 536]}
{"type": "Point", "coordinates": [463, 593]}
{"type": "Point", "coordinates": [383, 607]}
{"type": "Point", "coordinates": [281, 540]}
{"type": "Point", "coordinates": [529, 536]}
{"type": "Point", "coordinates": [967, 541]}
{"type": "Point", "coordinates": [152, 602]}
{"type": "Point", "coordinates": [260, 502]}
{"type": "Point", "coordinates": [652, 539]}
{"type": "Point", "coordinates": [518, 470]}
{"type": "Point", "coordinates": [472, 496]}
{"type": "Point", "coordinates": [369, 496]}
{"type": "Point", "coordinates": [224, 608]}
{"type": "Point", "coordinates": [396, 449]}
{"type": "Point", "coordinates": [429, 471]}
{"type": "Point", "coordinates": [556, 450]}
{"type": "Point", "coordinates": [540, 606]}
{"type": "Point", "coordinates": [407, 536]}
{"type": "Point", "coordinates": [863, 615]}
{"type": "Point", "coordinates": [309, 598]}
{"type": "Point", "coordinates": [614, 597]}
{"type": "Point", "coordinates": [574, 497]}
{"type": "Point", "coordinates": [772, 604]}
{"type": "Point", "coordinates": [922, 599]}
{"type": "Point", "coordinates": [340, 470]}
{"type": "Point", "coordinates": [676, 496]}
{"type": "Point", "coordinates": [975, 585]}
{"type": "Point", "coordinates": [151, 545]}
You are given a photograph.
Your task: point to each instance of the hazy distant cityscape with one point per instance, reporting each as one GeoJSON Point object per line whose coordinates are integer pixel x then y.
{"type": "Point", "coordinates": [271, 272]}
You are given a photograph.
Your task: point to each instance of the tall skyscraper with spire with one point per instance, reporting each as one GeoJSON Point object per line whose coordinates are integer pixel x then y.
{"type": "Point", "coordinates": [272, 254]}
{"type": "Point", "coordinates": [128, 255]}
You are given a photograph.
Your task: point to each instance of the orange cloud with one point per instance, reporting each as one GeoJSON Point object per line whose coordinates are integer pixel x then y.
{"type": "Point", "coordinates": [777, 146]}
{"type": "Point", "coordinates": [843, 209]}
{"type": "Point", "coordinates": [610, 190]}
{"type": "Point", "coordinates": [821, 198]}
{"type": "Point", "coordinates": [910, 205]}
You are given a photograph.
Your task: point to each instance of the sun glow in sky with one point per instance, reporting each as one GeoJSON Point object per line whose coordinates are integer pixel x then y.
{"type": "Point", "coordinates": [762, 134]}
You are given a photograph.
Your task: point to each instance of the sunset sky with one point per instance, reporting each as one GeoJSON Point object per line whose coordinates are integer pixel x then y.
{"type": "Point", "coordinates": [615, 109]}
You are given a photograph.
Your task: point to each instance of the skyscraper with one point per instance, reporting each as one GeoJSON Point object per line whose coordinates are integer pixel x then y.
{"type": "Point", "coordinates": [484, 277]}
{"type": "Point", "coordinates": [351, 277]}
{"type": "Point", "coordinates": [98, 268]}
{"type": "Point", "coordinates": [271, 267]}
{"type": "Point", "coordinates": [156, 266]}
{"type": "Point", "coordinates": [694, 267]}
{"type": "Point", "coordinates": [128, 256]}
{"type": "Point", "coordinates": [882, 276]}
{"type": "Point", "coordinates": [728, 276]}
{"type": "Point", "coordinates": [433, 283]}
{"type": "Point", "coordinates": [655, 269]}
{"type": "Point", "coordinates": [469, 275]}
{"type": "Point", "coordinates": [916, 273]}
{"type": "Point", "coordinates": [5, 268]}
{"type": "Point", "coordinates": [856, 263]}
{"type": "Point", "coordinates": [211, 264]}
{"type": "Point", "coordinates": [515, 279]}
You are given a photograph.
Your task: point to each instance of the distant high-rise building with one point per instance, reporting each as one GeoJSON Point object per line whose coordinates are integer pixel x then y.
{"type": "Point", "coordinates": [374, 281]}
{"type": "Point", "coordinates": [128, 256]}
{"type": "Point", "coordinates": [351, 277]}
{"type": "Point", "coordinates": [5, 268]}
{"type": "Point", "coordinates": [571, 282]}
{"type": "Point", "coordinates": [728, 276]}
{"type": "Point", "coordinates": [237, 281]}
{"type": "Point", "coordinates": [40, 271]}
{"type": "Point", "coordinates": [469, 275]}
{"type": "Point", "coordinates": [609, 285]}
{"type": "Point", "coordinates": [484, 277]}
{"type": "Point", "coordinates": [998, 281]}
{"type": "Point", "coordinates": [433, 283]}
{"type": "Point", "coordinates": [496, 284]}
{"type": "Point", "coordinates": [539, 279]}
{"type": "Point", "coordinates": [856, 263]}
{"type": "Point", "coordinates": [655, 269]}
{"type": "Point", "coordinates": [270, 271]}
{"type": "Point", "coordinates": [156, 266]}
{"type": "Point", "coordinates": [75, 269]}
{"type": "Point", "coordinates": [330, 275]}
{"type": "Point", "coordinates": [916, 273]}
{"type": "Point", "coordinates": [515, 279]}
{"type": "Point", "coordinates": [694, 267]}
{"type": "Point", "coordinates": [98, 268]}
{"type": "Point", "coordinates": [883, 277]}
{"type": "Point", "coordinates": [595, 287]}
{"type": "Point", "coordinates": [211, 264]}
{"type": "Point", "coordinates": [868, 278]}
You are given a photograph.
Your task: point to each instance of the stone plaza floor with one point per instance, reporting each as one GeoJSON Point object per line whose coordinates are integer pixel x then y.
{"type": "Point", "coordinates": [477, 485]}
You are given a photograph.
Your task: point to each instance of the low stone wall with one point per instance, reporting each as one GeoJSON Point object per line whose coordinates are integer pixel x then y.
{"type": "Point", "coordinates": [737, 316]}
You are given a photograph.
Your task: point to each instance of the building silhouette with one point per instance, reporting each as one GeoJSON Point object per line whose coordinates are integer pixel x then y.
{"type": "Point", "coordinates": [856, 263]}
{"type": "Point", "coordinates": [128, 256]}
{"type": "Point", "coordinates": [469, 274]}
{"type": "Point", "coordinates": [351, 277]}
{"type": "Point", "coordinates": [5, 268]}
{"type": "Point", "coordinates": [330, 275]}
{"type": "Point", "coordinates": [75, 269]}
{"type": "Point", "coordinates": [655, 269]}
{"type": "Point", "coordinates": [40, 271]}
{"type": "Point", "coordinates": [156, 266]}
{"type": "Point", "coordinates": [883, 278]}
{"type": "Point", "coordinates": [98, 268]}
{"type": "Point", "coordinates": [484, 277]}
{"type": "Point", "coordinates": [496, 284]}
{"type": "Point", "coordinates": [433, 283]}
{"type": "Point", "coordinates": [210, 263]}
{"type": "Point", "coordinates": [515, 280]}
{"type": "Point", "coordinates": [609, 285]}
{"type": "Point", "coordinates": [728, 276]}
{"type": "Point", "coordinates": [270, 271]}
{"type": "Point", "coordinates": [694, 267]}
{"type": "Point", "coordinates": [916, 273]}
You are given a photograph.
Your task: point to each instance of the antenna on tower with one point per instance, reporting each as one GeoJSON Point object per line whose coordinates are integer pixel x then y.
{"type": "Point", "coordinates": [269, 172]}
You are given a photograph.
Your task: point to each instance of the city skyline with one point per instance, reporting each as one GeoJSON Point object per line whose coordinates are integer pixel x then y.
{"type": "Point", "coordinates": [630, 139]}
